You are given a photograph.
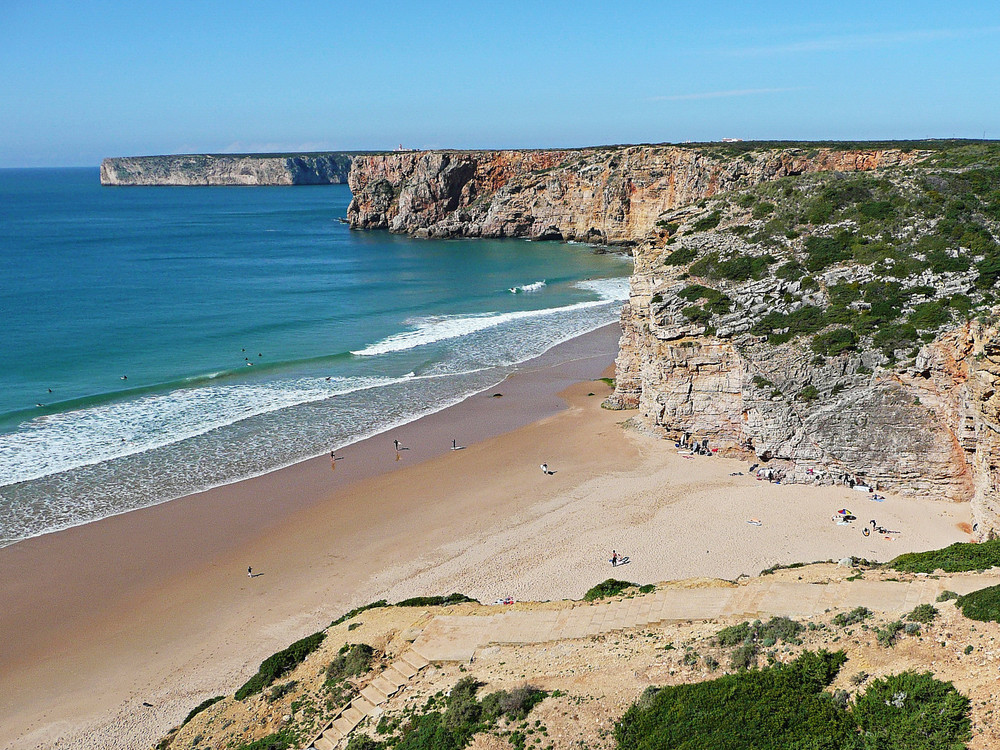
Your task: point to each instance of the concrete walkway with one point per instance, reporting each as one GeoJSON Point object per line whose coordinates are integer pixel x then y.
{"type": "Point", "coordinates": [457, 637]}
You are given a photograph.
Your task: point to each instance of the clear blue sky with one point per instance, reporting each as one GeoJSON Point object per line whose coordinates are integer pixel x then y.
{"type": "Point", "coordinates": [83, 80]}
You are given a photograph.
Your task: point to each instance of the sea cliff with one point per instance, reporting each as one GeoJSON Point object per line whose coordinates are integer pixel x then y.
{"type": "Point", "coordinates": [610, 195]}
{"type": "Point", "coordinates": [228, 169]}
{"type": "Point", "coordinates": [826, 312]}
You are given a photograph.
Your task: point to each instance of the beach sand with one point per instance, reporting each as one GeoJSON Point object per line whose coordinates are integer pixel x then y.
{"type": "Point", "coordinates": [155, 606]}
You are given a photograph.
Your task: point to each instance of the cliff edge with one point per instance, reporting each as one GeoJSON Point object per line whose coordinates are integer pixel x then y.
{"type": "Point", "coordinates": [227, 169]}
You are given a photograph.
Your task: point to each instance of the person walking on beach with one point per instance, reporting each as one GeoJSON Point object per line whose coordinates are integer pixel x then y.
{"type": "Point", "coordinates": [249, 571]}
{"type": "Point", "coordinates": [396, 443]}
{"type": "Point", "coordinates": [545, 468]}
{"type": "Point", "coordinates": [614, 558]}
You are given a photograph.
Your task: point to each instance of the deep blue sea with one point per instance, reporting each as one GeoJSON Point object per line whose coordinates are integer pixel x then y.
{"type": "Point", "coordinates": [150, 336]}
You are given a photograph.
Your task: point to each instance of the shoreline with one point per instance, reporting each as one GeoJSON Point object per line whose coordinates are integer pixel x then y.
{"type": "Point", "coordinates": [94, 576]}
{"type": "Point", "coordinates": [181, 621]}
{"type": "Point", "coordinates": [540, 360]}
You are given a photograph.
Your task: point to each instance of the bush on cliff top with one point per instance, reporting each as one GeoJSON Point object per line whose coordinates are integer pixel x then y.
{"type": "Point", "coordinates": [613, 587]}
{"type": "Point", "coordinates": [280, 664]}
{"type": "Point", "coordinates": [956, 558]}
{"type": "Point", "coordinates": [981, 605]}
{"type": "Point", "coordinates": [787, 706]}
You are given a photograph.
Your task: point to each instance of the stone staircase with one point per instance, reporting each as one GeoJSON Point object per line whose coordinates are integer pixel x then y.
{"type": "Point", "coordinates": [373, 695]}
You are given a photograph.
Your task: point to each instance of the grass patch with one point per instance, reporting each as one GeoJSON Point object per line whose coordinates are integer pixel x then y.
{"type": "Point", "coordinates": [983, 605]}
{"type": "Point", "coordinates": [280, 664]}
{"type": "Point", "coordinates": [787, 706]}
{"type": "Point", "coordinates": [956, 558]}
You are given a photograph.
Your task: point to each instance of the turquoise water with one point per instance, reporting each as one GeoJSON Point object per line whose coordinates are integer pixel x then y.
{"type": "Point", "coordinates": [181, 338]}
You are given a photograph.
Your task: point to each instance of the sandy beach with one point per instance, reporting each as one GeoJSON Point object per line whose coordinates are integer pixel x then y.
{"type": "Point", "coordinates": [155, 607]}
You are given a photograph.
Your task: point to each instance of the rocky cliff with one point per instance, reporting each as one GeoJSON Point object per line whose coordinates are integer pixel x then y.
{"type": "Point", "coordinates": [228, 169]}
{"type": "Point", "coordinates": [610, 195]}
{"type": "Point", "coordinates": [832, 328]}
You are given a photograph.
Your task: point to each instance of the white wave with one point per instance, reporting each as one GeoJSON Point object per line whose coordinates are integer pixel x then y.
{"type": "Point", "coordinates": [527, 287]}
{"type": "Point", "coordinates": [59, 442]}
{"type": "Point", "coordinates": [430, 330]}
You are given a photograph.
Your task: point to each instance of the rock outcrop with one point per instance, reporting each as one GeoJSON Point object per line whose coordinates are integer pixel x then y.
{"type": "Point", "coordinates": [227, 169]}
{"type": "Point", "coordinates": [610, 195]}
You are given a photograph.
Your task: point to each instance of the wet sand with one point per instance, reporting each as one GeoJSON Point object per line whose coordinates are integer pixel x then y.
{"type": "Point", "coordinates": [155, 606]}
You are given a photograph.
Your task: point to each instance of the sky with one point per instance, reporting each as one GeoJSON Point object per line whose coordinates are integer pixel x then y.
{"type": "Point", "coordinates": [86, 79]}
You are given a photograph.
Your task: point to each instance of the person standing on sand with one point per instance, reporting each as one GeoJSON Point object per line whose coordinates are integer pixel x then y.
{"type": "Point", "coordinates": [249, 572]}
{"type": "Point", "coordinates": [545, 469]}
{"type": "Point", "coordinates": [614, 558]}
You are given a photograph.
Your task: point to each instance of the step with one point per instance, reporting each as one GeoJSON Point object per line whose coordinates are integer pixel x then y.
{"type": "Point", "coordinates": [324, 744]}
{"type": "Point", "coordinates": [394, 676]}
{"type": "Point", "coordinates": [414, 659]}
{"type": "Point", "coordinates": [333, 734]}
{"type": "Point", "coordinates": [383, 685]}
{"type": "Point", "coordinates": [342, 725]}
{"type": "Point", "coordinates": [353, 714]}
{"type": "Point", "coordinates": [374, 695]}
{"type": "Point", "coordinates": [407, 670]}
{"type": "Point", "coordinates": [364, 705]}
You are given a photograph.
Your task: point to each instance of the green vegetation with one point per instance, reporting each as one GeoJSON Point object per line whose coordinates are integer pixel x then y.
{"type": "Point", "coordinates": [611, 587]}
{"type": "Point", "coordinates": [957, 558]}
{"type": "Point", "coordinates": [787, 706]}
{"type": "Point", "coordinates": [834, 342]}
{"type": "Point", "coordinates": [750, 638]}
{"type": "Point", "coordinates": [856, 615]}
{"type": "Point", "coordinates": [352, 660]}
{"type": "Point", "coordinates": [981, 605]}
{"type": "Point", "coordinates": [924, 613]}
{"type": "Point", "coordinates": [435, 601]}
{"type": "Point", "coordinates": [736, 267]}
{"type": "Point", "coordinates": [358, 610]}
{"type": "Point", "coordinates": [886, 637]}
{"type": "Point", "coordinates": [946, 596]}
{"type": "Point", "coordinates": [280, 664]}
{"type": "Point", "coordinates": [711, 221]}
{"type": "Point", "coordinates": [201, 707]}
{"type": "Point", "coordinates": [681, 256]}
{"type": "Point", "coordinates": [715, 301]}
{"type": "Point", "coordinates": [277, 741]}
{"type": "Point", "coordinates": [449, 723]}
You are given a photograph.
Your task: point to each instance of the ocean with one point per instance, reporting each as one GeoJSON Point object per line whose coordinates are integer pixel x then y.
{"type": "Point", "coordinates": [161, 341]}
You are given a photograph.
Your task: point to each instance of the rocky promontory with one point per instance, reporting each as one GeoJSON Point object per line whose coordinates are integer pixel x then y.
{"type": "Point", "coordinates": [228, 169]}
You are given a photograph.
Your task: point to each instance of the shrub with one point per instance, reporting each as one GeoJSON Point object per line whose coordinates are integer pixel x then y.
{"type": "Point", "coordinates": [946, 595]}
{"type": "Point", "coordinates": [735, 268]}
{"type": "Point", "coordinates": [358, 610]}
{"type": "Point", "coordinates": [886, 636]}
{"type": "Point", "coordinates": [809, 393]}
{"type": "Point", "coordinates": [911, 711]}
{"type": "Point", "coordinates": [924, 613]}
{"type": "Point", "coordinates": [280, 664]}
{"type": "Point", "coordinates": [681, 256]}
{"type": "Point", "coordinates": [826, 251]}
{"type": "Point", "coordinates": [790, 271]}
{"type": "Point", "coordinates": [876, 210]}
{"type": "Point", "coordinates": [716, 301]}
{"type": "Point", "coordinates": [762, 209]}
{"type": "Point", "coordinates": [956, 558]}
{"type": "Point", "coordinates": [751, 637]}
{"type": "Point", "coordinates": [352, 659]}
{"type": "Point", "coordinates": [856, 615]}
{"type": "Point", "coordinates": [711, 221]}
{"type": "Point", "coordinates": [929, 315]}
{"type": "Point", "coordinates": [277, 741]}
{"type": "Point", "coordinates": [201, 707]}
{"type": "Point", "coordinates": [435, 601]}
{"type": "Point", "coordinates": [981, 605]}
{"type": "Point", "coordinates": [834, 342]}
{"type": "Point", "coordinates": [778, 707]}
{"type": "Point", "coordinates": [610, 587]}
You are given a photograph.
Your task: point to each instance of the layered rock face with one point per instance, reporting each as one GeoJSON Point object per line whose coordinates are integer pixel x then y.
{"type": "Point", "coordinates": [602, 195]}
{"type": "Point", "coordinates": [225, 169]}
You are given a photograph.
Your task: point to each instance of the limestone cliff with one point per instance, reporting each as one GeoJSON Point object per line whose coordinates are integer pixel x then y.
{"type": "Point", "coordinates": [830, 338]}
{"type": "Point", "coordinates": [611, 195]}
{"type": "Point", "coordinates": [227, 169]}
